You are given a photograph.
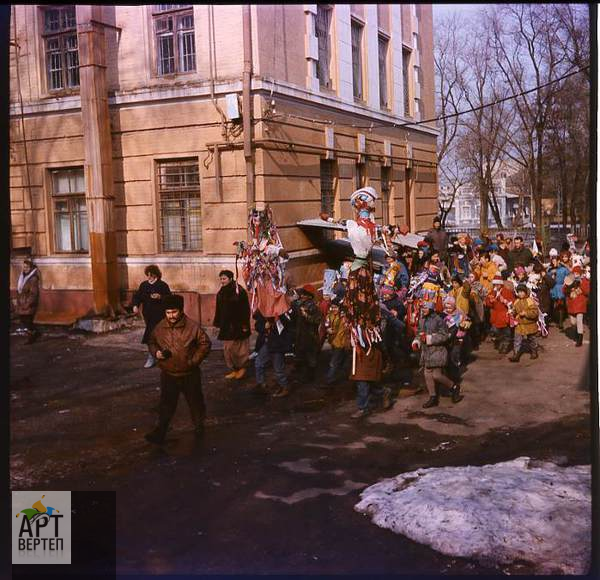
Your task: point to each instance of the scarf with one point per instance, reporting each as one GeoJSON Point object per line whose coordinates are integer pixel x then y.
{"type": "Point", "coordinates": [23, 280]}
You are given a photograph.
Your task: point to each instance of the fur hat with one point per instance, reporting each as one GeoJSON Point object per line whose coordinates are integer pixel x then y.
{"type": "Point", "coordinates": [172, 302]}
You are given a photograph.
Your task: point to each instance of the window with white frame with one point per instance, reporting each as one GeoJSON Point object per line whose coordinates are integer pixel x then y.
{"type": "Point", "coordinates": [322, 32]}
{"type": "Point", "coordinates": [383, 44]}
{"type": "Point", "coordinates": [357, 73]}
{"type": "Point", "coordinates": [70, 211]}
{"type": "Point", "coordinates": [61, 48]}
{"type": "Point", "coordinates": [180, 205]}
{"type": "Point", "coordinates": [175, 40]}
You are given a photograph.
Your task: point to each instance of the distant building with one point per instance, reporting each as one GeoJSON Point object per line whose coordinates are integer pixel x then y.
{"type": "Point", "coordinates": [130, 137]}
{"type": "Point", "coordinates": [514, 206]}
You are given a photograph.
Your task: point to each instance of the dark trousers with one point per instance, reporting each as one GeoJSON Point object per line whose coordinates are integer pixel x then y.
{"type": "Point", "coordinates": [27, 321]}
{"type": "Point", "coordinates": [170, 388]}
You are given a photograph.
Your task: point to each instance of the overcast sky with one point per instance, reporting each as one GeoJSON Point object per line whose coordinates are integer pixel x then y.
{"type": "Point", "coordinates": [444, 9]}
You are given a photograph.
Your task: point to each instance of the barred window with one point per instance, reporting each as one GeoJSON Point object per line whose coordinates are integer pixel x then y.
{"type": "Point", "coordinates": [361, 175]}
{"type": "Point", "coordinates": [180, 205]}
{"type": "Point", "coordinates": [175, 40]}
{"type": "Point", "coordinates": [60, 41]}
{"type": "Point", "coordinates": [322, 27]}
{"type": "Point", "coordinates": [327, 186]}
{"type": "Point", "coordinates": [70, 210]}
{"type": "Point", "coordinates": [406, 80]}
{"type": "Point", "coordinates": [357, 76]}
{"type": "Point", "coordinates": [383, 44]}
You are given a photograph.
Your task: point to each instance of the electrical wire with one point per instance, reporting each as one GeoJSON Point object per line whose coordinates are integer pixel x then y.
{"type": "Point", "coordinates": [441, 117]}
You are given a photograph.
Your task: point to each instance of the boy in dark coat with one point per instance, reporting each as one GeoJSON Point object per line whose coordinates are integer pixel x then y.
{"type": "Point", "coordinates": [308, 342]}
{"type": "Point", "coordinates": [149, 296]}
{"type": "Point", "coordinates": [232, 318]}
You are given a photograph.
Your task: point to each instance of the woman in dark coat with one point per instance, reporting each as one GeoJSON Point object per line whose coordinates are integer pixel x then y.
{"type": "Point", "coordinates": [28, 292]}
{"type": "Point", "coordinates": [232, 318]}
{"type": "Point", "coordinates": [149, 295]}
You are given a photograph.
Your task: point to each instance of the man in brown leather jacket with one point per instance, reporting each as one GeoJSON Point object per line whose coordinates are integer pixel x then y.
{"type": "Point", "coordinates": [179, 345]}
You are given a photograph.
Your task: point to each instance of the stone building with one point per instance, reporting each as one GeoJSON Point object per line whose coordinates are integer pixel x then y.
{"type": "Point", "coordinates": [144, 134]}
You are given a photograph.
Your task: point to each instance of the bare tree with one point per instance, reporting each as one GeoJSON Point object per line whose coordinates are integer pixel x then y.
{"type": "Point", "coordinates": [526, 46]}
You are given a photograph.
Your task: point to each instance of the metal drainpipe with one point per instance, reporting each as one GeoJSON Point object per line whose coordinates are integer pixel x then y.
{"type": "Point", "coordinates": [247, 106]}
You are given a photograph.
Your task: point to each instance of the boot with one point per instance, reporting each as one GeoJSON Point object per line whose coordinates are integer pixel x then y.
{"type": "Point", "coordinates": [504, 348]}
{"type": "Point", "coordinates": [241, 373]}
{"type": "Point", "coordinates": [579, 340]}
{"type": "Point", "coordinates": [433, 401]}
{"type": "Point", "coordinates": [455, 394]}
{"type": "Point", "coordinates": [157, 436]}
{"type": "Point", "coordinates": [534, 353]}
{"type": "Point", "coordinates": [516, 356]}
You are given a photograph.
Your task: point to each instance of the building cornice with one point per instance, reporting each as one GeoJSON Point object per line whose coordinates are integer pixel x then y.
{"type": "Point", "coordinates": [159, 94]}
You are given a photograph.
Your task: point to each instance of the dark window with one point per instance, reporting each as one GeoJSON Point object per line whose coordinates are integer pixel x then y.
{"type": "Point", "coordinates": [180, 205]}
{"type": "Point", "coordinates": [383, 77]}
{"type": "Point", "coordinates": [406, 80]}
{"type": "Point", "coordinates": [327, 186]}
{"type": "Point", "coordinates": [357, 78]}
{"type": "Point", "coordinates": [175, 40]}
{"type": "Point", "coordinates": [322, 26]}
{"type": "Point", "coordinates": [70, 210]}
{"type": "Point", "coordinates": [386, 189]}
{"type": "Point", "coordinates": [60, 42]}
{"type": "Point", "coordinates": [361, 175]}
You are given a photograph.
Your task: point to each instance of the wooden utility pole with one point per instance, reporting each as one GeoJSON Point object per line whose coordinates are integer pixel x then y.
{"type": "Point", "coordinates": [98, 158]}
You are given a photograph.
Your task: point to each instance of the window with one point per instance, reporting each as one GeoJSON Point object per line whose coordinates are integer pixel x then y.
{"type": "Point", "coordinates": [357, 79]}
{"type": "Point", "coordinates": [386, 188]}
{"type": "Point", "coordinates": [406, 80]}
{"type": "Point", "coordinates": [70, 211]}
{"type": "Point", "coordinates": [175, 40]}
{"type": "Point", "coordinates": [361, 175]}
{"type": "Point", "coordinates": [60, 42]}
{"type": "Point", "coordinates": [322, 26]}
{"type": "Point", "coordinates": [180, 208]}
{"type": "Point", "coordinates": [383, 82]}
{"type": "Point", "coordinates": [327, 186]}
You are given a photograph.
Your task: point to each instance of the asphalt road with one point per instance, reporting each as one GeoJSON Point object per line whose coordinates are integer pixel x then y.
{"type": "Point", "coordinates": [271, 489]}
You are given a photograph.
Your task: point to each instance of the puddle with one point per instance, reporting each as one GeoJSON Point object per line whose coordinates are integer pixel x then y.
{"type": "Point", "coordinates": [440, 417]}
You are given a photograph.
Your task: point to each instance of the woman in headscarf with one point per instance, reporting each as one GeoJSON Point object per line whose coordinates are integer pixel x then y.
{"type": "Point", "coordinates": [28, 293]}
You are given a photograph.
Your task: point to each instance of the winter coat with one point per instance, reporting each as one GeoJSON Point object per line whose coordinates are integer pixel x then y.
{"type": "Point", "coordinates": [521, 257]}
{"type": "Point", "coordinates": [558, 275]}
{"type": "Point", "coordinates": [526, 313]}
{"type": "Point", "coordinates": [29, 296]}
{"type": "Point", "coordinates": [438, 240]}
{"type": "Point", "coordinates": [188, 343]}
{"type": "Point", "coordinates": [435, 354]}
{"type": "Point", "coordinates": [307, 327]}
{"type": "Point", "coordinates": [544, 293]}
{"type": "Point", "coordinates": [232, 313]}
{"type": "Point", "coordinates": [153, 310]}
{"type": "Point", "coordinates": [498, 308]}
{"type": "Point", "coordinates": [577, 296]}
{"type": "Point", "coordinates": [488, 271]}
{"type": "Point", "coordinates": [338, 332]}
{"type": "Point", "coordinates": [277, 341]}
{"type": "Point", "coordinates": [368, 367]}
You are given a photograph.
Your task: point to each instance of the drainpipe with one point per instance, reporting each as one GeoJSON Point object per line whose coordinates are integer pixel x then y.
{"type": "Point", "coordinates": [247, 106]}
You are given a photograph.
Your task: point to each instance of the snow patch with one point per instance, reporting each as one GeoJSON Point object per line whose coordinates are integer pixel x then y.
{"type": "Point", "coordinates": [517, 510]}
{"type": "Point", "coordinates": [311, 493]}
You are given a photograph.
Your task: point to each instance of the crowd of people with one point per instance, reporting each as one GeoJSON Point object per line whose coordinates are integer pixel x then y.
{"type": "Point", "coordinates": [436, 304]}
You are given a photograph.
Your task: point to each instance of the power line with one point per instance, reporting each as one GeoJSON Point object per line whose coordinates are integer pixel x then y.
{"type": "Point", "coordinates": [441, 117]}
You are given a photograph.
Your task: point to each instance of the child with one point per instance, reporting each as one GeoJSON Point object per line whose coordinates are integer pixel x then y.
{"type": "Point", "coordinates": [577, 289]}
{"type": "Point", "coordinates": [498, 301]}
{"type": "Point", "coordinates": [338, 336]}
{"type": "Point", "coordinates": [527, 314]}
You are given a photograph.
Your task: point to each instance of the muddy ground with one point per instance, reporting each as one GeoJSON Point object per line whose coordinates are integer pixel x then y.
{"type": "Point", "coordinates": [271, 489]}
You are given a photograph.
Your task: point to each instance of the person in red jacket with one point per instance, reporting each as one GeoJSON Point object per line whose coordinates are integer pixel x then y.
{"type": "Point", "coordinates": [576, 290]}
{"type": "Point", "coordinates": [498, 301]}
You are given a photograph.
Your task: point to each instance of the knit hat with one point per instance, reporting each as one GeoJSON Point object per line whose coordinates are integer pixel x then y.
{"type": "Point", "coordinates": [173, 302]}
{"type": "Point", "coordinates": [577, 270]}
{"type": "Point", "coordinates": [519, 270]}
{"type": "Point", "coordinates": [493, 247]}
{"type": "Point", "coordinates": [553, 252]}
{"type": "Point", "coordinates": [450, 300]}
{"type": "Point", "coordinates": [428, 304]}
{"type": "Point", "coordinates": [522, 288]}
{"type": "Point", "coordinates": [498, 279]}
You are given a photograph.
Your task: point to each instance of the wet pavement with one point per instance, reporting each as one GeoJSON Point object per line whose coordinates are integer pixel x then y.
{"type": "Point", "coordinates": [272, 486]}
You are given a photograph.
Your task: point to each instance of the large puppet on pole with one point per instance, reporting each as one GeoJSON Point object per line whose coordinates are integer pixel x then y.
{"type": "Point", "coordinates": [360, 305]}
{"type": "Point", "coordinates": [263, 264]}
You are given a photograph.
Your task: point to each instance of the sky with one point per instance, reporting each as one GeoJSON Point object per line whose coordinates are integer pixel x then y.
{"type": "Point", "coordinates": [445, 9]}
